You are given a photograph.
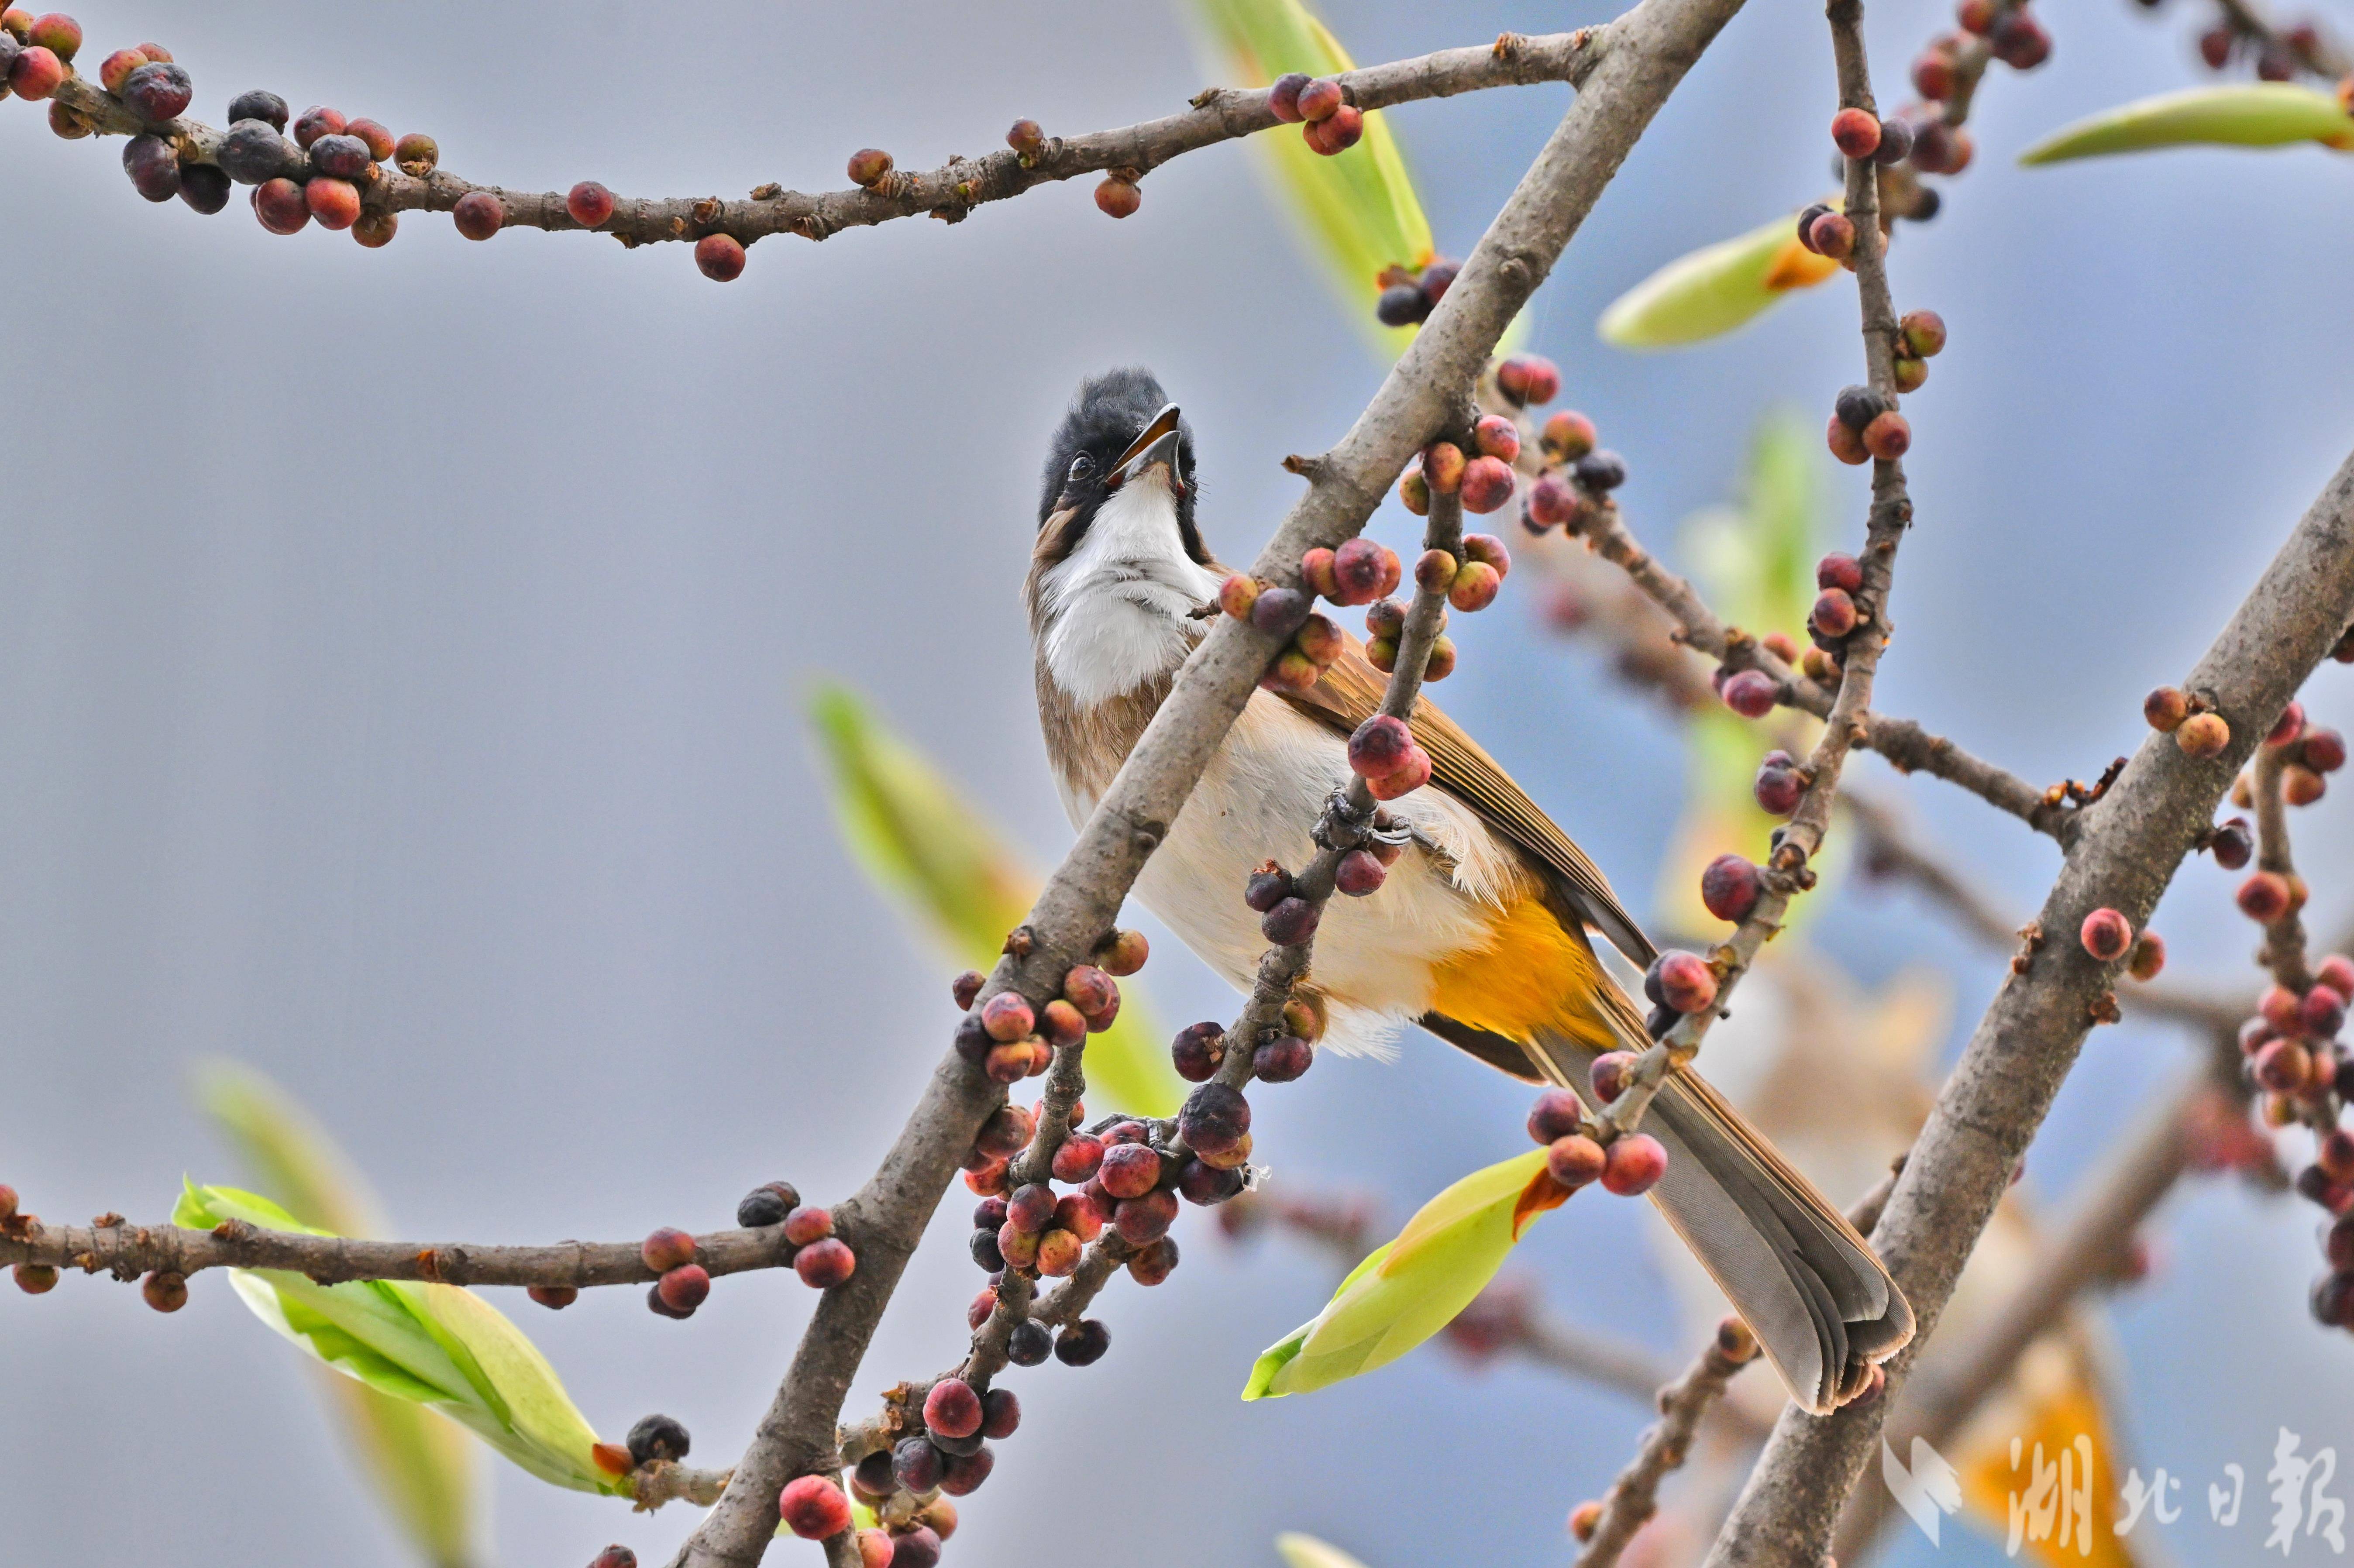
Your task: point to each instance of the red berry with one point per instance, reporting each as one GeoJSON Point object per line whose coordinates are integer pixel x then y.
{"type": "Point", "coordinates": [2165, 709]}
{"type": "Point", "coordinates": [1529, 378]}
{"type": "Point", "coordinates": [809, 1224]}
{"type": "Point", "coordinates": [825, 1263]}
{"type": "Point", "coordinates": [417, 154]}
{"type": "Point", "coordinates": [813, 1508]}
{"type": "Point", "coordinates": [1856, 133]}
{"type": "Point", "coordinates": [1730, 888]}
{"type": "Point", "coordinates": [1575, 1159]}
{"type": "Point", "coordinates": [1115, 197]}
{"type": "Point", "coordinates": [1778, 789]}
{"type": "Point", "coordinates": [1889, 437]}
{"type": "Point", "coordinates": [666, 1249]}
{"type": "Point", "coordinates": [36, 1278]}
{"type": "Point", "coordinates": [478, 215]}
{"type": "Point", "coordinates": [2264, 898]}
{"type": "Point", "coordinates": [1130, 1171]}
{"type": "Point", "coordinates": [719, 256]}
{"type": "Point", "coordinates": [2322, 1013]}
{"type": "Point", "coordinates": [1609, 1074]}
{"type": "Point", "coordinates": [2106, 935]}
{"type": "Point", "coordinates": [165, 1291]}
{"type": "Point", "coordinates": [1750, 693]}
{"type": "Point", "coordinates": [2203, 735]}
{"type": "Point", "coordinates": [1144, 1220]}
{"type": "Point", "coordinates": [1832, 234]}
{"type": "Point", "coordinates": [34, 75]}
{"type": "Point", "coordinates": [1487, 484]}
{"type": "Point", "coordinates": [555, 1298]}
{"type": "Point", "coordinates": [1556, 1114]}
{"type": "Point", "coordinates": [1283, 98]}
{"type": "Point", "coordinates": [374, 137]}
{"type": "Point", "coordinates": [2336, 971]}
{"type": "Point", "coordinates": [684, 1288]}
{"type": "Point", "coordinates": [1846, 444]}
{"type": "Point", "coordinates": [2322, 749]}
{"type": "Point", "coordinates": [1685, 981]}
{"type": "Point", "coordinates": [1027, 138]}
{"type": "Point", "coordinates": [1415, 772]}
{"type": "Point", "coordinates": [952, 1409]}
{"type": "Point", "coordinates": [1007, 1016]}
{"type": "Point", "coordinates": [317, 122]}
{"type": "Point", "coordinates": [374, 229]}
{"type": "Point", "coordinates": [2215, 47]}
{"type": "Point", "coordinates": [1442, 465]}
{"type": "Point", "coordinates": [1834, 614]}
{"type": "Point", "coordinates": [1006, 1132]}
{"type": "Point", "coordinates": [1633, 1164]}
{"type": "Point", "coordinates": [1569, 436]}
{"type": "Point", "coordinates": [156, 91]}
{"type": "Point", "coordinates": [590, 204]}
{"type": "Point", "coordinates": [1319, 99]}
{"type": "Point", "coordinates": [1078, 1158]}
{"type": "Point", "coordinates": [1080, 1214]}
{"type": "Point", "coordinates": [1497, 437]}
{"type": "Point", "coordinates": [2148, 957]}
{"type": "Point", "coordinates": [2282, 1066]}
{"type": "Point", "coordinates": [1550, 502]}
{"type": "Point", "coordinates": [1359, 873]}
{"type": "Point", "coordinates": [869, 166]}
{"type": "Point", "coordinates": [1933, 75]}
{"type": "Point", "coordinates": [57, 33]}
{"type": "Point", "coordinates": [1283, 1059]}
{"type": "Point", "coordinates": [335, 203]}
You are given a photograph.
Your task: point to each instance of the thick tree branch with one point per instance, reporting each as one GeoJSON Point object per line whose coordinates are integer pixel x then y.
{"type": "Point", "coordinates": [1220, 114]}
{"type": "Point", "coordinates": [1634, 63]}
{"type": "Point", "coordinates": [2126, 850]}
{"type": "Point", "coordinates": [2083, 1251]}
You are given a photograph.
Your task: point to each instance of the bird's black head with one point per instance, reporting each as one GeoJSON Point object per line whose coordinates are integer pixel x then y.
{"type": "Point", "coordinates": [1121, 429]}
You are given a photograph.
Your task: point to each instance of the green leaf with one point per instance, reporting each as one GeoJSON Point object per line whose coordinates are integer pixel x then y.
{"type": "Point", "coordinates": [423, 1466]}
{"type": "Point", "coordinates": [2240, 114]}
{"type": "Point", "coordinates": [1713, 290]}
{"type": "Point", "coordinates": [1305, 1551]}
{"type": "Point", "coordinates": [908, 830]}
{"type": "Point", "coordinates": [431, 1345]}
{"type": "Point", "coordinates": [1409, 1289]}
{"type": "Point", "coordinates": [1357, 213]}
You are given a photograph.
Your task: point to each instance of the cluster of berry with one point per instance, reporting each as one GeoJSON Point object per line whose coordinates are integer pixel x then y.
{"type": "Point", "coordinates": [821, 1258]}
{"type": "Point", "coordinates": [1320, 106]}
{"type": "Point", "coordinates": [1576, 470]}
{"type": "Point", "coordinates": [1009, 1040]}
{"type": "Point", "coordinates": [1952, 62]}
{"type": "Point", "coordinates": [1359, 572]}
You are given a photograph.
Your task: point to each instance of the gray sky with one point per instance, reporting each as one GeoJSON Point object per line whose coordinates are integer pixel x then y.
{"type": "Point", "coordinates": [401, 656]}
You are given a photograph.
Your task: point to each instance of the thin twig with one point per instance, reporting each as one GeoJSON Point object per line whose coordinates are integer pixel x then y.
{"type": "Point", "coordinates": [1634, 1496]}
{"type": "Point", "coordinates": [128, 1251]}
{"type": "Point", "coordinates": [1787, 872]}
{"type": "Point", "coordinates": [1908, 747]}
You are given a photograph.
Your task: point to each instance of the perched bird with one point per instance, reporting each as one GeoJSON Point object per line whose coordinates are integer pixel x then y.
{"type": "Point", "coordinates": [1480, 932]}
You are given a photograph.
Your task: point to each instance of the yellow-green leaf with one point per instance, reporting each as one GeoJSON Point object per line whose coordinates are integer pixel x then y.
{"type": "Point", "coordinates": [1305, 1551]}
{"type": "Point", "coordinates": [1357, 213]}
{"type": "Point", "coordinates": [423, 1466]}
{"type": "Point", "coordinates": [431, 1345]}
{"type": "Point", "coordinates": [907, 827]}
{"type": "Point", "coordinates": [1715, 290]}
{"type": "Point", "coordinates": [2240, 114]}
{"type": "Point", "coordinates": [1408, 1290]}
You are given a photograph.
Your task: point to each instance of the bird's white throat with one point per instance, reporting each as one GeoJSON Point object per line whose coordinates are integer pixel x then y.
{"type": "Point", "coordinates": [1115, 612]}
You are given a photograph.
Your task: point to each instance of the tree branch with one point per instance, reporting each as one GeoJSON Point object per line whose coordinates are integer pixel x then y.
{"type": "Point", "coordinates": [1634, 63]}
{"type": "Point", "coordinates": [128, 1251]}
{"type": "Point", "coordinates": [949, 192]}
{"type": "Point", "coordinates": [2124, 851]}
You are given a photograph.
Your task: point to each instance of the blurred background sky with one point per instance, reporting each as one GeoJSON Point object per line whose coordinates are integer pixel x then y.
{"type": "Point", "coordinates": [403, 657]}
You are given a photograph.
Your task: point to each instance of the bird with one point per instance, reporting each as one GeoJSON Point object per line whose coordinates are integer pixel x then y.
{"type": "Point", "coordinates": [1483, 931]}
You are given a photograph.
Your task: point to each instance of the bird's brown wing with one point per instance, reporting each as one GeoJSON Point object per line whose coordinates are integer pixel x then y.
{"type": "Point", "coordinates": [1351, 693]}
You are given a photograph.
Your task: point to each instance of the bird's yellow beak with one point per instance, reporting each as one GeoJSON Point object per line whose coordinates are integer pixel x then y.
{"type": "Point", "coordinates": [1157, 444]}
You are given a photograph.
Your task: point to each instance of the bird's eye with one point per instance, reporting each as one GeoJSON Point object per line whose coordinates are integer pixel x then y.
{"type": "Point", "coordinates": [1081, 466]}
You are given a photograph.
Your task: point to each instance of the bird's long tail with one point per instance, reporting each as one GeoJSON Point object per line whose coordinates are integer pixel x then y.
{"type": "Point", "coordinates": [1820, 1300]}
